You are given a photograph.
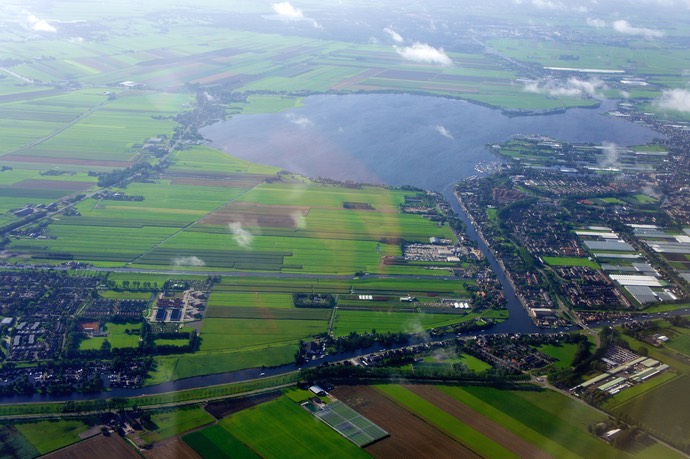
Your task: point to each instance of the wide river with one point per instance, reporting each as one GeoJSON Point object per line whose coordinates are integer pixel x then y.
{"type": "Point", "coordinates": [400, 139]}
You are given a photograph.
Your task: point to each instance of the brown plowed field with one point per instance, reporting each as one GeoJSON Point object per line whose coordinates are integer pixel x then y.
{"type": "Point", "coordinates": [172, 448]}
{"type": "Point", "coordinates": [354, 80]}
{"type": "Point", "coordinates": [486, 426]}
{"type": "Point", "coordinates": [66, 185]}
{"type": "Point", "coordinates": [53, 160]}
{"type": "Point", "coordinates": [112, 447]}
{"type": "Point", "coordinates": [409, 435]}
{"type": "Point", "coordinates": [253, 214]}
{"type": "Point", "coordinates": [227, 407]}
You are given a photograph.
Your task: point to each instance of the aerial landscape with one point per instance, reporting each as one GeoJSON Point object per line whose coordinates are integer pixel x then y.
{"type": "Point", "coordinates": [345, 229]}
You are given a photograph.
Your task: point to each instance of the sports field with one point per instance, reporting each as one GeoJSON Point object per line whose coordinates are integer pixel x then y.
{"type": "Point", "coordinates": [281, 428]}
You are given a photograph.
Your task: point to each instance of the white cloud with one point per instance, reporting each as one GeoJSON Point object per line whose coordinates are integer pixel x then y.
{"type": "Point", "coordinates": [38, 25]}
{"type": "Point", "coordinates": [612, 155]}
{"type": "Point", "coordinates": [548, 5]}
{"type": "Point", "coordinates": [188, 261]}
{"type": "Point", "coordinates": [394, 35]}
{"type": "Point", "coordinates": [552, 5]}
{"type": "Point", "coordinates": [299, 220]}
{"type": "Point", "coordinates": [425, 54]}
{"type": "Point", "coordinates": [598, 23]}
{"type": "Point", "coordinates": [444, 132]}
{"type": "Point", "coordinates": [243, 237]}
{"type": "Point", "coordinates": [624, 27]}
{"type": "Point", "coordinates": [287, 12]}
{"type": "Point", "coordinates": [674, 99]}
{"type": "Point", "coordinates": [301, 121]}
{"type": "Point", "coordinates": [572, 87]}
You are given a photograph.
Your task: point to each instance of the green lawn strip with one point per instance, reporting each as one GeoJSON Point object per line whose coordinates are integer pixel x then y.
{"type": "Point", "coordinates": [445, 422]}
{"type": "Point", "coordinates": [570, 261]}
{"type": "Point", "coordinates": [260, 299]}
{"type": "Point", "coordinates": [29, 408]}
{"type": "Point", "coordinates": [217, 443]}
{"type": "Point", "coordinates": [665, 308]}
{"type": "Point", "coordinates": [211, 392]}
{"type": "Point", "coordinates": [48, 436]}
{"type": "Point", "coordinates": [282, 429]}
{"type": "Point", "coordinates": [119, 295]}
{"type": "Point", "coordinates": [175, 421]}
{"type": "Point", "coordinates": [171, 342]}
{"type": "Point", "coordinates": [564, 353]}
{"type": "Point", "coordinates": [547, 419]}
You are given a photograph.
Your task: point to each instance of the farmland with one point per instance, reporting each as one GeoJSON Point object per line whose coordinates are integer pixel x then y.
{"type": "Point", "coordinates": [269, 427]}
{"type": "Point", "coordinates": [664, 410]}
{"type": "Point", "coordinates": [103, 167]}
{"type": "Point", "coordinates": [524, 423]}
{"type": "Point", "coordinates": [48, 436]}
{"type": "Point", "coordinates": [169, 423]}
{"type": "Point", "coordinates": [217, 442]}
{"type": "Point", "coordinates": [563, 353]}
{"type": "Point", "coordinates": [383, 322]}
{"type": "Point", "coordinates": [113, 446]}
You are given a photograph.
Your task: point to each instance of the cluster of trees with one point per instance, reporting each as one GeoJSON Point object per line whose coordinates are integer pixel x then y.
{"type": "Point", "coordinates": [101, 405]}
{"type": "Point", "coordinates": [355, 341]}
{"type": "Point", "coordinates": [585, 360]}
{"type": "Point", "coordinates": [350, 374]}
{"type": "Point", "coordinates": [313, 300]}
{"type": "Point", "coordinates": [119, 176]}
{"type": "Point", "coordinates": [133, 285]}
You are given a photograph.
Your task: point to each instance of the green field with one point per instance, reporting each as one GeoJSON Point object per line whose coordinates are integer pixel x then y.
{"type": "Point", "coordinates": [681, 341]}
{"type": "Point", "coordinates": [665, 411]}
{"type": "Point", "coordinates": [202, 363]}
{"type": "Point", "coordinates": [570, 261]}
{"type": "Point", "coordinates": [383, 322]}
{"type": "Point", "coordinates": [47, 436]}
{"type": "Point", "coordinates": [117, 337]}
{"type": "Point", "coordinates": [175, 421]}
{"type": "Point", "coordinates": [216, 442]}
{"type": "Point", "coordinates": [282, 429]}
{"type": "Point", "coordinates": [553, 422]}
{"type": "Point", "coordinates": [563, 353]}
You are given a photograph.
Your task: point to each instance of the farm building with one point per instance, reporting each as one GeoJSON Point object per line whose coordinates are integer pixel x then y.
{"type": "Point", "coordinates": [318, 391]}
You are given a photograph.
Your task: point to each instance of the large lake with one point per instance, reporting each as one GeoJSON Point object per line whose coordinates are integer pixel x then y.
{"type": "Point", "coordinates": [400, 139]}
